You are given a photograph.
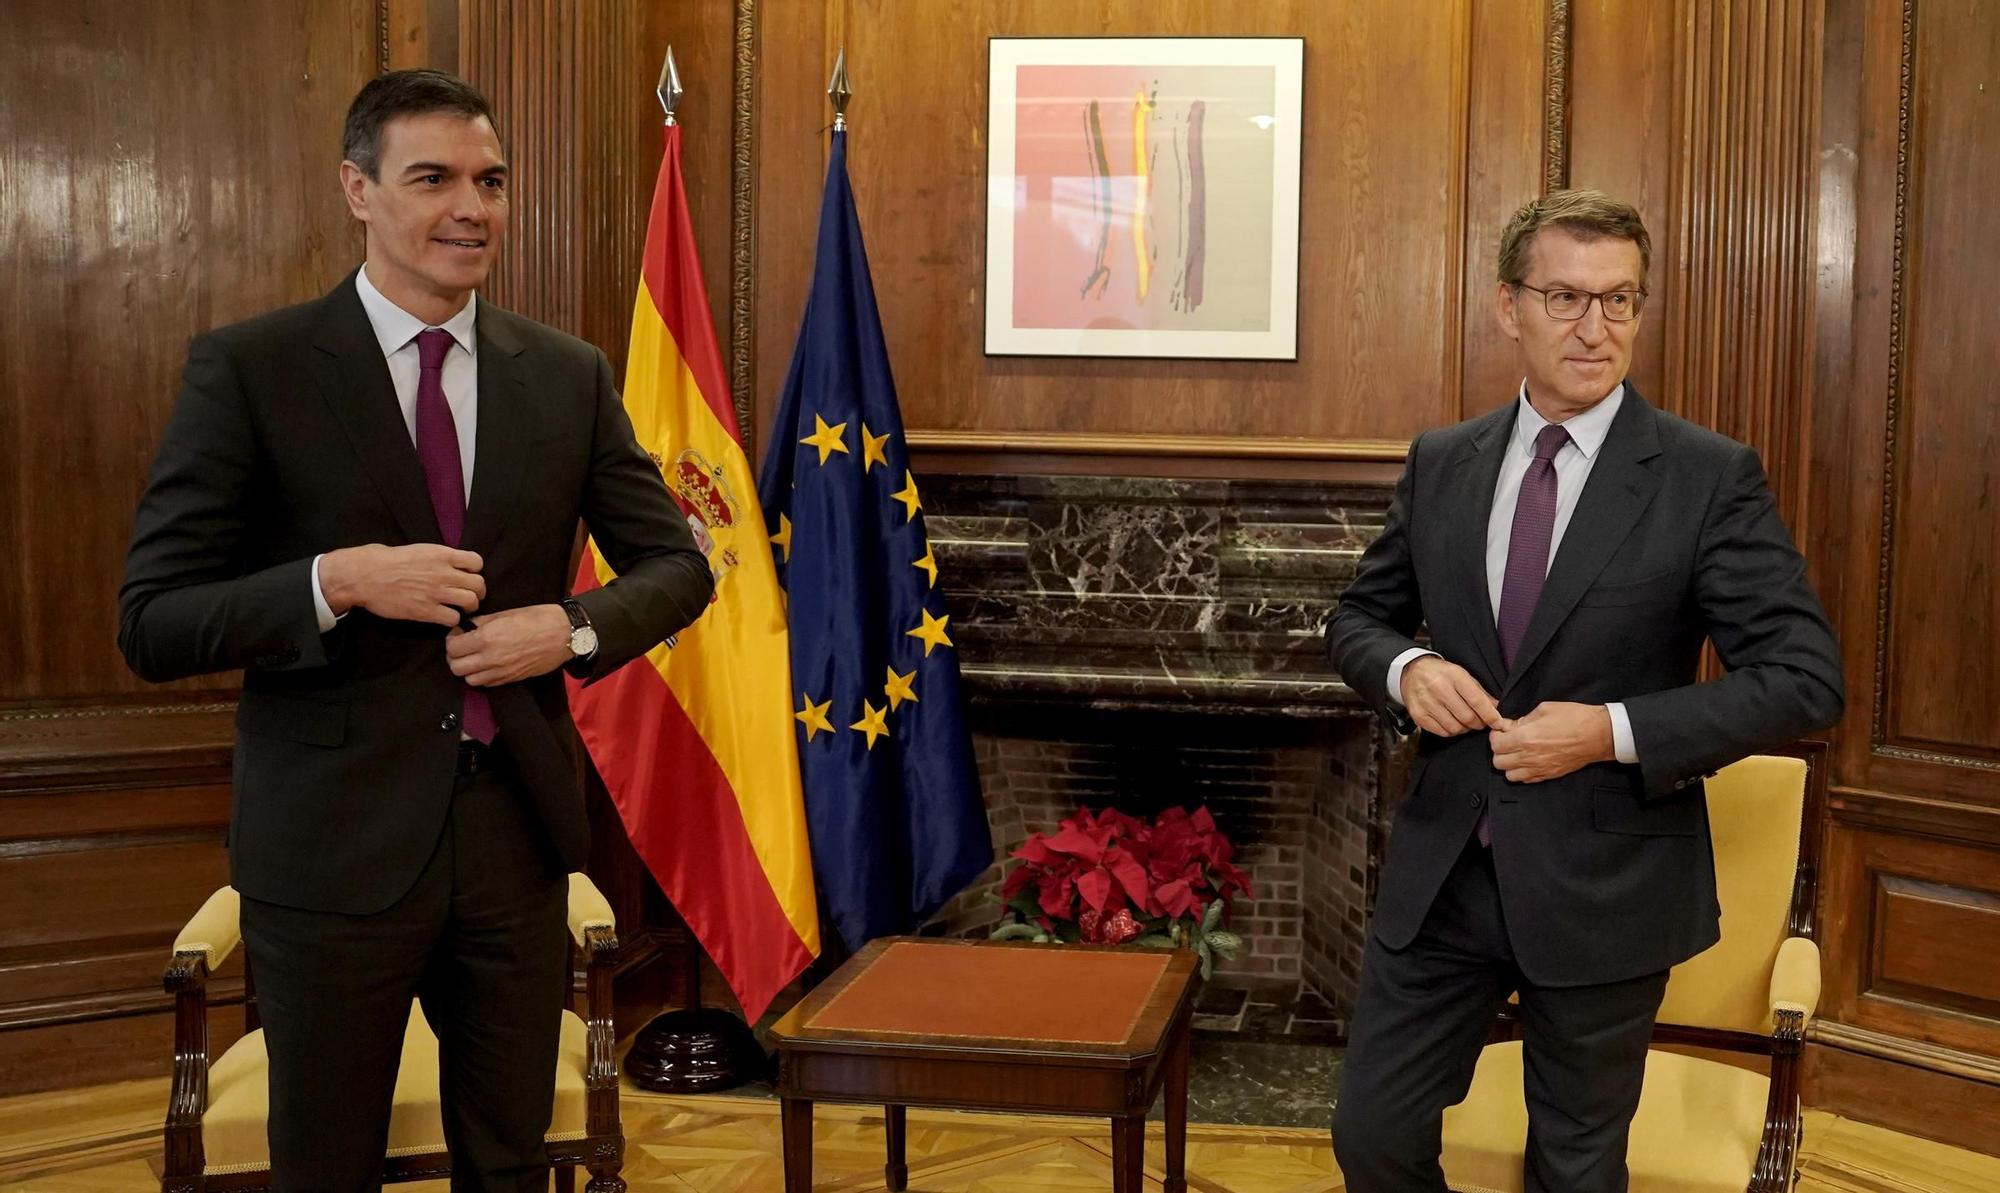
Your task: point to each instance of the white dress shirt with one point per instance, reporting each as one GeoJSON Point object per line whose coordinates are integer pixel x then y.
{"type": "Point", "coordinates": [396, 331]}
{"type": "Point", "coordinates": [1573, 464]}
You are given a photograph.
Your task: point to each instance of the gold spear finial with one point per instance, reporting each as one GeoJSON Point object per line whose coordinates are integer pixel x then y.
{"type": "Point", "coordinates": [838, 91]}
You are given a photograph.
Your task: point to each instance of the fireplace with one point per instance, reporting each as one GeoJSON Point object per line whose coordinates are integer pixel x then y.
{"type": "Point", "coordinates": [1137, 643]}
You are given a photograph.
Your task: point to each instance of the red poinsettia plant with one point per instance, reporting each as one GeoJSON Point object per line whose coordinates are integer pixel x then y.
{"type": "Point", "coordinates": [1109, 878]}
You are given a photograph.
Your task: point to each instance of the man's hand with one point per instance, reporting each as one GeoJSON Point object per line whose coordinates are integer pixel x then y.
{"type": "Point", "coordinates": [419, 582]}
{"type": "Point", "coordinates": [510, 646]}
{"type": "Point", "coordinates": [1444, 699]}
{"type": "Point", "coordinates": [1552, 741]}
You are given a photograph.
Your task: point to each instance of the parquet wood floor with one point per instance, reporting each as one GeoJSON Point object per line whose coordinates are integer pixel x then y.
{"type": "Point", "coordinates": [104, 1140]}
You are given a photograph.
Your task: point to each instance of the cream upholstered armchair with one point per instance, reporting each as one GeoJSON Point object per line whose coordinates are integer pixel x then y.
{"type": "Point", "coordinates": [1702, 1124]}
{"type": "Point", "coordinates": [215, 1132]}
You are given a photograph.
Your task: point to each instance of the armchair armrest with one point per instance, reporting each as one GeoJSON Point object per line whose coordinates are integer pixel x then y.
{"type": "Point", "coordinates": [201, 947]}
{"type": "Point", "coordinates": [214, 931]}
{"type": "Point", "coordinates": [1795, 979]}
{"type": "Point", "coordinates": [588, 910]}
{"type": "Point", "coordinates": [1795, 982]}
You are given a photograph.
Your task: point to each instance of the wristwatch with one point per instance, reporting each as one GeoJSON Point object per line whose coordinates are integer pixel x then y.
{"type": "Point", "coordinates": [582, 637]}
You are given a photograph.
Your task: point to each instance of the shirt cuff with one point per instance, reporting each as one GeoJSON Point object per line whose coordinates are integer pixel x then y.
{"type": "Point", "coordinates": [1396, 672]}
{"type": "Point", "coordinates": [1621, 735]}
{"type": "Point", "coordinates": [325, 611]}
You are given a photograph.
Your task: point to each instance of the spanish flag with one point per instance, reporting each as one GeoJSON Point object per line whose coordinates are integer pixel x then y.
{"type": "Point", "coordinates": [695, 742]}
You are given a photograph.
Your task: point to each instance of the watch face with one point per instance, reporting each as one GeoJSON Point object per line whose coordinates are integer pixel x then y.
{"type": "Point", "coordinates": [583, 641]}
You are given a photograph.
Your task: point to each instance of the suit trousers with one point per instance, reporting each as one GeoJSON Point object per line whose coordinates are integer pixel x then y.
{"type": "Point", "coordinates": [482, 940]}
{"type": "Point", "coordinates": [1421, 1018]}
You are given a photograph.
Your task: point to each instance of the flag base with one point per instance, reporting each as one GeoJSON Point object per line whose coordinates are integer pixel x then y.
{"type": "Point", "coordinates": [696, 1051]}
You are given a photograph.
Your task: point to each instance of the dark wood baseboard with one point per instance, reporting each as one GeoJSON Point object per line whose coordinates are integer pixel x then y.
{"type": "Point", "coordinates": [1915, 1099]}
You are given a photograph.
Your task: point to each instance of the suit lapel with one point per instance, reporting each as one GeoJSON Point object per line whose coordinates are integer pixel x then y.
{"type": "Point", "coordinates": [353, 376]}
{"type": "Point", "coordinates": [1474, 472]}
{"type": "Point", "coordinates": [505, 421]}
{"type": "Point", "coordinates": [1621, 486]}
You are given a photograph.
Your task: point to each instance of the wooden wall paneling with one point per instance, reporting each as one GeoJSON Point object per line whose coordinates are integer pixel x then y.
{"type": "Point", "coordinates": [1833, 469]}
{"type": "Point", "coordinates": [1506, 121]}
{"type": "Point", "coordinates": [1741, 250]}
{"type": "Point", "coordinates": [1916, 940]}
{"type": "Point", "coordinates": [1920, 607]}
{"type": "Point", "coordinates": [1863, 1079]}
{"type": "Point", "coordinates": [789, 110]}
{"type": "Point", "coordinates": [573, 86]}
{"type": "Point", "coordinates": [1939, 693]}
{"type": "Point", "coordinates": [1385, 247]}
{"type": "Point", "coordinates": [146, 197]}
{"type": "Point", "coordinates": [1904, 435]}
{"type": "Point", "coordinates": [1622, 140]}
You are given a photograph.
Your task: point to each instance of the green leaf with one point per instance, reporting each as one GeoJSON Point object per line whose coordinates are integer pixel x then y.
{"type": "Point", "coordinates": [1207, 962]}
{"type": "Point", "coordinates": [1225, 943]}
{"type": "Point", "coordinates": [1018, 932]}
{"type": "Point", "coordinates": [1213, 919]}
{"type": "Point", "coordinates": [1155, 940]}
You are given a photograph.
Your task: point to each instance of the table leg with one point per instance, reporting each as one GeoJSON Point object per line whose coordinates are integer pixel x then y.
{"type": "Point", "coordinates": [798, 1135]}
{"type": "Point", "coordinates": [895, 1173]}
{"type": "Point", "coordinates": [1128, 1153]}
{"type": "Point", "coordinates": [1177, 1089]}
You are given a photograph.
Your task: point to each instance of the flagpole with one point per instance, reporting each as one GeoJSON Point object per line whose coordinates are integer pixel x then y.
{"type": "Point", "coordinates": [695, 1049]}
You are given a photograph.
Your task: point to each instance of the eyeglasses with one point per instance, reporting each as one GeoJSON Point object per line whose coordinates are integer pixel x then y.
{"type": "Point", "coordinates": [1619, 306]}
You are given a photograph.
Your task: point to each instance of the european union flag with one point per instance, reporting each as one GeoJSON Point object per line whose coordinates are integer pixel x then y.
{"type": "Point", "coordinates": [892, 797]}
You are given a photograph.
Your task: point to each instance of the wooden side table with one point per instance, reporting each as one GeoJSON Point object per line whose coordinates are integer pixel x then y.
{"type": "Point", "coordinates": [978, 1025]}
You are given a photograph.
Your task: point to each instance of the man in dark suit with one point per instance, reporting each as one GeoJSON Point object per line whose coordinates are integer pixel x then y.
{"type": "Point", "coordinates": [368, 503]}
{"type": "Point", "coordinates": [1568, 553]}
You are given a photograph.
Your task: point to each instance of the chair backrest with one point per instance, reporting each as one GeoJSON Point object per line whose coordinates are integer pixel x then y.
{"type": "Point", "coordinates": [1754, 810]}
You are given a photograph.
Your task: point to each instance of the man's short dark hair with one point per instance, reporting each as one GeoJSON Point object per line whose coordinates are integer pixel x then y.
{"type": "Point", "coordinates": [1586, 214]}
{"type": "Point", "coordinates": [404, 93]}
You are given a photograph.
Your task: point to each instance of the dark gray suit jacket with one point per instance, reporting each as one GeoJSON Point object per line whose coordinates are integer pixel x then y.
{"type": "Point", "coordinates": [287, 442]}
{"type": "Point", "coordinates": [1607, 873]}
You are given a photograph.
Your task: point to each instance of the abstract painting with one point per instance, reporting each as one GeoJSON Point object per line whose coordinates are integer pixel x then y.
{"type": "Point", "coordinates": [1143, 197]}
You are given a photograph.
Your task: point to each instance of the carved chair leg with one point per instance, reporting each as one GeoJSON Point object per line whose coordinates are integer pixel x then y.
{"type": "Point", "coordinates": [606, 1161]}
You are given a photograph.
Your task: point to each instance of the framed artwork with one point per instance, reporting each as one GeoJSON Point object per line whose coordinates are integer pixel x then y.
{"type": "Point", "coordinates": [1142, 196]}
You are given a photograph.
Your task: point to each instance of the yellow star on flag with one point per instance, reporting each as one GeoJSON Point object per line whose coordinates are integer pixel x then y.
{"type": "Point", "coordinates": [871, 449]}
{"type": "Point", "coordinates": [929, 566]}
{"type": "Point", "coordinates": [826, 439]}
{"type": "Point", "coordinates": [874, 722]}
{"type": "Point", "coordinates": [783, 539]}
{"type": "Point", "coordinates": [813, 716]}
{"type": "Point", "coordinates": [909, 496]}
{"type": "Point", "coordinates": [901, 688]}
{"type": "Point", "coordinates": [932, 632]}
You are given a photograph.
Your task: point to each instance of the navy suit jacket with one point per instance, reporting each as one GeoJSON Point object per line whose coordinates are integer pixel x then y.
{"type": "Point", "coordinates": [1606, 873]}
{"type": "Point", "coordinates": [287, 442]}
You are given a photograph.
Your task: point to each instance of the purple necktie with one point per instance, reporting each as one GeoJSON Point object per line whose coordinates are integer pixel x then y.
{"type": "Point", "coordinates": [444, 476]}
{"type": "Point", "coordinates": [1527, 555]}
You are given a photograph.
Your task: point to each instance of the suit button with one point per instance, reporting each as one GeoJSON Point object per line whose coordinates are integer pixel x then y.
{"type": "Point", "coordinates": [1478, 800]}
{"type": "Point", "coordinates": [448, 722]}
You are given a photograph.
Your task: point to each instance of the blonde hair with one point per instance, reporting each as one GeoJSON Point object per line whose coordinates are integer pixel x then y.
{"type": "Point", "coordinates": [1589, 214]}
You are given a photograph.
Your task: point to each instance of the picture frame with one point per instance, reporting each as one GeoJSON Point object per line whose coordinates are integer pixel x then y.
{"type": "Point", "coordinates": [1142, 197]}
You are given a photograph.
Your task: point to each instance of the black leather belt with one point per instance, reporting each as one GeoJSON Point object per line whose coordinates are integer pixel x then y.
{"type": "Point", "coordinates": [474, 756]}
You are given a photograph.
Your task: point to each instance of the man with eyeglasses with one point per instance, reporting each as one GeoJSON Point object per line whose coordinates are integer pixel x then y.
{"type": "Point", "coordinates": [1568, 554]}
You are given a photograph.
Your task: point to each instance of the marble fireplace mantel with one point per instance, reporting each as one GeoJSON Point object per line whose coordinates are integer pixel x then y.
{"type": "Point", "coordinates": [1202, 595]}
{"type": "Point", "coordinates": [1138, 641]}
